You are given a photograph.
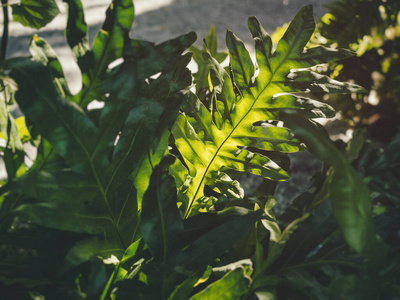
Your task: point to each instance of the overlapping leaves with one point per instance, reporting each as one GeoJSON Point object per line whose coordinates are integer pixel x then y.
{"type": "Point", "coordinates": [247, 105]}
{"type": "Point", "coordinates": [99, 183]}
{"type": "Point", "coordinates": [85, 174]}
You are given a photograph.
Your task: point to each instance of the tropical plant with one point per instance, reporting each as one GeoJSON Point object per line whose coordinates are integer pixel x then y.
{"type": "Point", "coordinates": [115, 206]}
{"type": "Point", "coordinates": [370, 28]}
{"type": "Point", "coordinates": [201, 77]}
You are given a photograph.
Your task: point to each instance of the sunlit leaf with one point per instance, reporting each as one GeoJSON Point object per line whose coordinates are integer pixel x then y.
{"type": "Point", "coordinates": [232, 286]}
{"type": "Point", "coordinates": [202, 75]}
{"type": "Point", "coordinates": [247, 106]}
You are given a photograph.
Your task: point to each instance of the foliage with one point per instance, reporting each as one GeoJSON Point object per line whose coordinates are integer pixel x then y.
{"type": "Point", "coordinates": [371, 28]}
{"type": "Point", "coordinates": [34, 13]}
{"type": "Point", "coordinates": [137, 197]}
{"type": "Point", "coordinates": [236, 130]}
{"type": "Point", "coordinates": [316, 253]}
{"type": "Point", "coordinates": [201, 77]}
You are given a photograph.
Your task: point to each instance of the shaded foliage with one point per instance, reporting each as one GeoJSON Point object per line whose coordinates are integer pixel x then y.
{"type": "Point", "coordinates": [371, 28]}
{"type": "Point", "coordinates": [137, 197]}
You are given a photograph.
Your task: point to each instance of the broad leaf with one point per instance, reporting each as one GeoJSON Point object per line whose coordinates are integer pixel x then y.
{"type": "Point", "coordinates": [85, 181]}
{"type": "Point", "coordinates": [232, 286]}
{"type": "Point", "coordinates": [161, 221]}
{"type": "Point", "coordinates": [107, 47]}
{"type": "Point", "coordinates": [183, 291]}
{"type": "Point", "coordinates": [351, 202]}
{"type": "Point", "coordinates": [248, 105]}
{"type": "Point", "coordinates": [35, 13]}
{"type": "Point", "coordinates": [85, 249]}
{"type": "Point", "coordinates": [216, 241]}
{"type": "Point", "coordinates": [196, 248]}
{"type": "Point", "coordinates": [201, 76]}
{"type": "Point", "coordinates": [41, 51]}
{"type": "Point", "coordinates": [77, 30]}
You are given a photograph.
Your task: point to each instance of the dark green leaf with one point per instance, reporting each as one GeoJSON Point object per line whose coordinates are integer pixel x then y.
{"type": "Point", "coordinates": [35, 13]}
{"type": "Point", "coordinates": [85, 249]}
{"type": "Point", "coordinates": [161, 221]}
{"type": "Point", "coordinates": [77, 30]}
{"type": "Point", "coordinates": [183, 291]}
{"type": "Point", "coordinates": [350, 197]}
{"type": "Point", "coordinates": [64, 124]}
{"type": "Point", "coordinates": [215, 242]}
{"type": "Point", "coordinates": [107, 47]}
{"type": "Point", "coordinates": [352, 287]}
{"type": "Point", "coordinates": [42, 52]}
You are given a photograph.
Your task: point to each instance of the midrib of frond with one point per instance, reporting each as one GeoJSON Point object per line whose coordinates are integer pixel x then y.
{"type": "Point", "coordinates": [256, 98]}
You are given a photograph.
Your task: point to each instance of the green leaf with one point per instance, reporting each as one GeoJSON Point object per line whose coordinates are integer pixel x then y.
{"type": "Point", "coordinates": [105, 199]}
{"type": "Point", "coordinates": [215, 242]}
{"type": "Point", "coordinates": [161, 221]}
{"type": "Point", "coordinates": [355, 145]}
{"type": "Point", "coordinates": [242, 65]}
{"type": "Point", "coordinates": [349, 195]}
{"type": "Point", "coordinates": [117, 275]}
{"type": "Point", "coordinates": [42, 52]}
{"type": "Point", "coordinates": [37, 265]}
{"type": "Point", "coordinates": [247, 107]}
{"type": "Point", "coordinates": [141, 176]}
{"type": "Point", "coordinates": [107, 47]}
{"type": "Point", "coordinates": [232, 286]}
{"type": "Point", "coordinates": [66, 126]}
{"type": "Point", "coordinates": [77, 30]}
{"type": "Point", "coordinates": [183, 291]}
{"type": "Point", "coordinates": [352, 287]}
{"type": "Point", "coordinates": [8, 126]}
{"type": "Point", "coordinates": [85, 249]}
{"type": "Point", "coordinates": [35, 13]}
{"type": "Point", "coordinates": [277, 238]}
{"type": "Point", "coordinates": [225, 185]}
{"type": "Point", "coordinates": [14, 162]}
{"type": "Point", "coordinates": [308, 284]}
{"type": "Point", "coordinates": [133, 250]}
{"type": "Point", "coordinates": [314, 82]}
{"type": "Point", "coordinates": [201, 76]}
{"type": "Point", "coordinates": [308, 235]}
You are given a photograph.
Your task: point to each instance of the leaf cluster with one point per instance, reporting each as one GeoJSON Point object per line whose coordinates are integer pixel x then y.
{"type": "Point", "coordinates": [133, 192]}
{"type": "Point", "coordinates": [370, 28]}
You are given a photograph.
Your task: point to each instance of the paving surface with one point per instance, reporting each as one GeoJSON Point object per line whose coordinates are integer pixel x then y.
{"type": "Point", "coordinates": [160, 20]}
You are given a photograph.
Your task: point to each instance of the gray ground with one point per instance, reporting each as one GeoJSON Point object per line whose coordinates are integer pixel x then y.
{"type": "Point", "coordinates": [158, 21]}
